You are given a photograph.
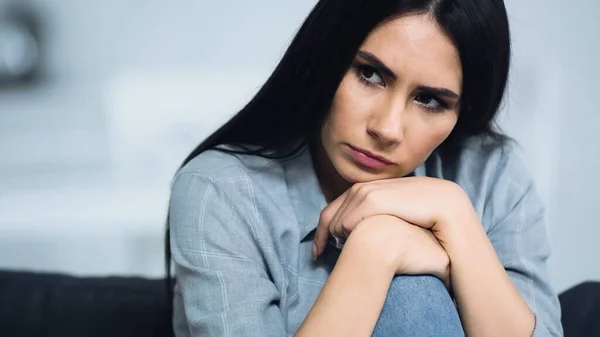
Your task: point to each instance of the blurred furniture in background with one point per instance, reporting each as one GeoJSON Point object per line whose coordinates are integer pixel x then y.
{"type": "Point", "coordinates": [581, 310]}
{"type": "Point", "coordinates": [37, 304]}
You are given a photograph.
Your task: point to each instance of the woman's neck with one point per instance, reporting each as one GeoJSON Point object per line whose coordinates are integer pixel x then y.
{"type": "Point", "coordinates": [331, 182]}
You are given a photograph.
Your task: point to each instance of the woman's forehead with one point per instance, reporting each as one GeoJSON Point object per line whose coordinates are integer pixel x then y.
{"type": "Point", "coordinates": [417, 49]}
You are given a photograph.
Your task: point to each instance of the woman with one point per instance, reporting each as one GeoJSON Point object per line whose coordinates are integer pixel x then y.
{"type": "Point", "coordinates": [374, 135]}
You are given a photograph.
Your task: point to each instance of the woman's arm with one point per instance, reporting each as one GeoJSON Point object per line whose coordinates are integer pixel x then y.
{"type": "Point", "coordinates": [354, 292]}
{"type": "Point", "coordinates": [219, 262]}
{"type": "Point", "coordinates": [500, 278]}
{"type": "Point", "coordinates": [379, 247]}
{"type": "Point", "coordinates": [488, 302]}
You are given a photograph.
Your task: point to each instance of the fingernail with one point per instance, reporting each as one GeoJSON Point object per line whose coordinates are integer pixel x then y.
{"type": "Point", "coordinates": [314, 251]}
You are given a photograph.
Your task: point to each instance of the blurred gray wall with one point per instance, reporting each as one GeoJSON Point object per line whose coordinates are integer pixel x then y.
{"type": "Point", "coordinates": [87, 156]}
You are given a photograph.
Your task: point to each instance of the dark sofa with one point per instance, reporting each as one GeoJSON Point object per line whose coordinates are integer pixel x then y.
{"type": "Point", "coordinates": [38, 304]}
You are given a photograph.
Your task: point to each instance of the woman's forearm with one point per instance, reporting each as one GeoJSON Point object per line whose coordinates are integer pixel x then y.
{"type": "Point", "coordinates": [488, 302]}
{"type": "Point", "coordinates": [353, 296]}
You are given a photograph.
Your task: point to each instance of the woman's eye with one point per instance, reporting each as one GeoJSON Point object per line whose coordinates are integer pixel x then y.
{"type": "Point", "coordinates": [371, 76]}
{"type": "Point", "coordinates": [430, 102]}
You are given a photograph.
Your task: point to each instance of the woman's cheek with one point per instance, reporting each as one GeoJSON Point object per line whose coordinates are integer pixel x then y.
{"type": "Point", "coordinates": [425, 137]}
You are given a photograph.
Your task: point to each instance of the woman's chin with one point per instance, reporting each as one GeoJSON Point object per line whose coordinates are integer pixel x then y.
{"type": "Point", "coordinates": [354, 174]}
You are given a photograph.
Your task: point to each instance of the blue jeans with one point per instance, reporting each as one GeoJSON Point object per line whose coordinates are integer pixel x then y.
{"type": "Point", "coordinates": [418, 306]}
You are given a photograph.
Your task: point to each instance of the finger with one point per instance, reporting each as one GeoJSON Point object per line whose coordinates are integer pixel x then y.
{"type": "Point", "coordinates": [337, 205]}
{"type": "Point", "coordinates": [322, 233]}
{"type": "Point", "coordinates": [339, 233]}
{"type": "Point", "coordinates": [356, 209]}
{"type": "Point", "coordinates": [351, 195]}
{"type": "Point", "coordinates": [340, 225]}
{"type": "Point", "coordinates": [348, 195]}
{"type": "Point", "coordinates": [338, 236]}
{"type": "Point", "coordinates": [363, 207]}
{"type": "Point", "coordinates": [332, 208]}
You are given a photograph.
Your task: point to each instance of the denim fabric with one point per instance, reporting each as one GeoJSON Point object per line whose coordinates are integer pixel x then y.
{"type": "Point", "coordinates": [242, 230]}
{"type": "Point", "coordinates": [418, 306]}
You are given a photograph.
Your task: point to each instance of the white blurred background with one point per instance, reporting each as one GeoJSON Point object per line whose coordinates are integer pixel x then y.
{"type": "Point", "coordinates": [130, 87]}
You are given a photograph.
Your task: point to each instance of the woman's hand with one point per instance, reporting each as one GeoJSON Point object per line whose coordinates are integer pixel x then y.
{"type": "Point", "coordinates": [408, 249]}
{"type": "Point", "coordinates": [425, 202]}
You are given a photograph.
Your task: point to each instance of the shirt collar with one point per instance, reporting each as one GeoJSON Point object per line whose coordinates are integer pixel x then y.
{"type": "Point", "coordinates": [305, 192]}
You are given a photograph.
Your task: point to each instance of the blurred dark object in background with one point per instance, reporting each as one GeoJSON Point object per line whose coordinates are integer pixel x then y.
{"type": "Point", "coordinates": [20, 44]}
{"type": "Point", "coordinates": [581, 310]}
{"type": "Point", "coordinates": [53, 305]}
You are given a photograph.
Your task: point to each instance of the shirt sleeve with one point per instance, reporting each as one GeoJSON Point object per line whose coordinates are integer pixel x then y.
{"type": "Point", "coordinates": [219, 265]}
{"type": "Point", "coordinates": [519, 237]}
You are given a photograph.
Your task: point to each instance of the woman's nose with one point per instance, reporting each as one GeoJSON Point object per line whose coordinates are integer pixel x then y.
{"type": "Point", "coordinates": [386, 126]}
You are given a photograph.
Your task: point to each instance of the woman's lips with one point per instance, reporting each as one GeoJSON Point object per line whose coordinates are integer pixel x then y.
{"type": "Point", "coordinates": [368, 159]}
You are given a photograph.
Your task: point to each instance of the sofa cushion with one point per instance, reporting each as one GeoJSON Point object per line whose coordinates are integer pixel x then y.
{"type": "Point", "coordinates": [40, 304]}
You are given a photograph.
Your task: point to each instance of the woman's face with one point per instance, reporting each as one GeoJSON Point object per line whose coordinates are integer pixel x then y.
{"type": "Point", "coordinates": [396, 104]}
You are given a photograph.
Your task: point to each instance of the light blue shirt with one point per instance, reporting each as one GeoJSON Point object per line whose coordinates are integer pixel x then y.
{"type": "Point", "coordinates": [242, 231]}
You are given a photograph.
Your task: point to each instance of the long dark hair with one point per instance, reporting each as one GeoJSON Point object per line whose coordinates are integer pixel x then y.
{"type": "Point", "coordinates": [285, 116]}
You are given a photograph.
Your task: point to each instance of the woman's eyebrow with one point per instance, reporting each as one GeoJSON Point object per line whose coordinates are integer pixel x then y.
{"type": "Point", "coordinates": [438, 92]}
{"type": "Point", "coordinates": [377, 64]}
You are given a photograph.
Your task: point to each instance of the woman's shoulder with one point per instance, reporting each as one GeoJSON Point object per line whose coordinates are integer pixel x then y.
{"type": "Point", "coordinates": [491, 156]}
{"type": "Point", "coordinates": [217, 205]}
{"type": "Point", "coordinates": [225, 185]}
{"type": "Point", "coordinates": [229, 178]}
{"type": "Point", "coordinates": [489, 171]}
{"type": "Point", "coordinates": [217, 164]}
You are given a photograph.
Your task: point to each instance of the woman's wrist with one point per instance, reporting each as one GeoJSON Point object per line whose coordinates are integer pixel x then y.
{"type": "Point", "coordinates": [373, 243]}
{"type": "Point", "coordinates": [400, 247]}
{"type": "Point", "coordinates": [457, 221]}
{"type": "Point", "coordinates": [465, 233]}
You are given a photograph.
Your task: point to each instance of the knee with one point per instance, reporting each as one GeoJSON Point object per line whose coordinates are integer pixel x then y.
{"type": "Point", "coordinates": [422, 291]}
{"type": "Point", "coordinates": [419, 305]}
